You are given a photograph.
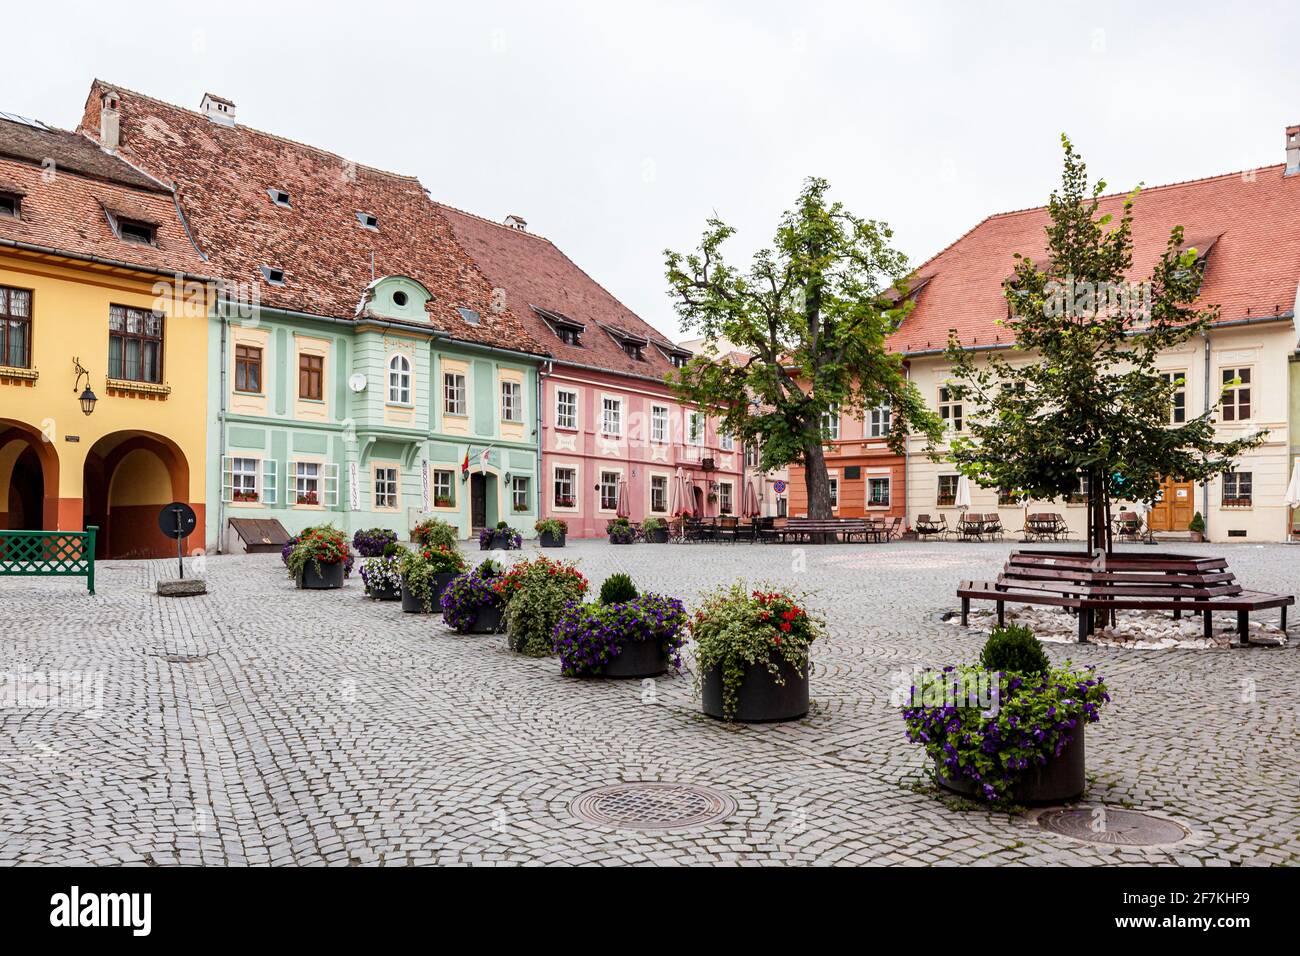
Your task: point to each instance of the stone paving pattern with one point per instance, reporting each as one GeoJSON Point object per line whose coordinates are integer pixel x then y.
{"type": "Point", "coordinates": [264, 725]}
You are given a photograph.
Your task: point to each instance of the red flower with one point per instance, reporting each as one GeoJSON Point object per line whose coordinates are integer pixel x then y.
{"type": "Point", "coordinates": [785, 626]}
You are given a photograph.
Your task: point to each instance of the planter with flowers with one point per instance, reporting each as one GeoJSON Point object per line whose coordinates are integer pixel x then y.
{"type": "Point", "coordinates": [1010, 729]}
{"type": "Point", "coordinates": [383, 575]}
{"type": "Point", "coordinates": [473, 602]}
{"type": "Point", "coordinates": [425, 573]}
{"type": "Point", "coordinates": [752, 654]}
{"type": "Point", "coordinates": [620, 531]}
{"type": "Point", "coordinates": [246, 497]}
{"type": "Point", "coordinates": [434, 533]}
{"type": "Point", "coordinates": [655, 530]}
{"type": "Point", "coordinates": [500, 538]}
{"type": "Point", "coordinates": [318, 558]}
{"type": "Point", "coordinates": [551, 532]}
{"type": "Point", "coordinates": [371, 542]}
{"type": "Point", "coordinates": [536, 593]}
{"type": "Point", "coordinates": [635, 635]}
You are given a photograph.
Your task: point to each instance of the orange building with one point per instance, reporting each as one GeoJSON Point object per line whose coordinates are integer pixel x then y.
{"type": "Point", "coordinates": [867, 478]}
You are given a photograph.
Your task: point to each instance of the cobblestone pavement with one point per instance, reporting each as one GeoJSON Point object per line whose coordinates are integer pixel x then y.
{"type": "Point", "coordinates": [260, 724]}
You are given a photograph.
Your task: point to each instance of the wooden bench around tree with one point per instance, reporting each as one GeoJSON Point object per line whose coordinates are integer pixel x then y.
{"type": "Point", "coordinates": [817, 530]}
{"type": "Point", "coordinates": [1129, 582]}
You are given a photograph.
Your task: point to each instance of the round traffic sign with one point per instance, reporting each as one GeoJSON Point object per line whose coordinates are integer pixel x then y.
{"type": "Point", "coordinates": [177, 520]}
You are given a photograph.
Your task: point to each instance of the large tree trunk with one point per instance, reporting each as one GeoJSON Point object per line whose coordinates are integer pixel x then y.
{"type": "Point", "coordinates": [816, 481]}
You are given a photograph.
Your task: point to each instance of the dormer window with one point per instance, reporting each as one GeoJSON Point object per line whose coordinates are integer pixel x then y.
{"type": "Point", "coordinates": [469, 315]}
{"type": "Point", "coordinates": [566, 329]}
{"type": "Point", "coordinates": [679, 359]}
{"type": "Point", "coordinates": [568, 336]}
{"type": "Point", "coordinates": [273, 275]}
{"type": "Point", "coordinates": [134, 230]}
{"type": "Point", "coordinates": [369, 220]}
{"type": "Point", "coordinates": [279, 197]}
{"type": "Point", "coordinates": [633, 351]}
{"type": "Point", "coordinates": [11, 204]}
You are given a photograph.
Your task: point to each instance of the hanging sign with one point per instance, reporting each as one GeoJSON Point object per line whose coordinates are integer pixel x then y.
{"type": "Point", "coordinates": [424, 485]}
{"type": "Point", "coordinates": [354, 487]}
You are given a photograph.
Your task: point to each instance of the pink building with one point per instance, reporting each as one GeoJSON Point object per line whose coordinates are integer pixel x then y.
{"type": "Point", "coordinates": [607, 415]}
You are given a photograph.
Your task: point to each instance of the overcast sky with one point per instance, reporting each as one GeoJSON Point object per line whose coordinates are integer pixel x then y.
{"type": "Point", "coordinates": [615, 129]}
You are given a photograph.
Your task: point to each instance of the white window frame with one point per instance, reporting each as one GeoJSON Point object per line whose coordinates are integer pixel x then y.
{"type": "Point", "coordinates": [659, 424]}
{"type": "Point", "coordinates": [327, 483]}
{"type": "Point", "coordinates": [569, 422]}
{"type": "Point", "coordinates": [608, 404]}
{"type": "Point", "coordinates": [1171, 377]}
{"type": "Point", "coordinates": [618, 476]}
{"type": "Point", "coordinates": [439, 473]}
{"type": "Point", "coordinates": [512, 400]}
{"type": "Point", "coordinates": [1234, 394]}
{"type": "Point", "coordinates": [726, 441]}
{"type": "Point", "coordinates": [382, 490]}
{"type": "Point", "coordinates": [951, 410]}
{"type": "Point", "coordinates": [694, 427]}
{"type": "Point", "coordinates": [726, 500]}
{"type": "Point", "coordinates": [881, 420]}
{"type": "Point", "coordinates": [1236, 477]}
{"type": "Point", "coordinates": [572, 481]}
{"type": "Point", "coordinates": [305, 483]}
{"type": "Point", "coordinates": [831, 424]}
{"type": "Point", "coordinates": [270, 482]}
{"type": "Point", "coordinates": [519, 493]}
{"type": "Point", "coordinates": [399, 380]}
{"type": "Point", "coordinates": [454, 394]}
{"type": "Point", "coordinates": [835, 491]}
{"type": "Point", "coordinates": [231, 476]}
{"type": "Point", "coordinates": [666, 489]}
{"type": "Point", "coordinates": [889, 491]}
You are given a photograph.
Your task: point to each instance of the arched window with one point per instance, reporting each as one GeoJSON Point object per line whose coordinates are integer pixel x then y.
{"type": "Point", "coordinates": [399, 380]}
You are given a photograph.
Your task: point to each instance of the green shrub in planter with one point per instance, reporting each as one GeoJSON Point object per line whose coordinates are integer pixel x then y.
{"type": "Point", "coordinates": [322, 544]}
{"type": "Point", "coordinates": [536, 593]}
{"type": "Point", "coordinates": [427, 571]}
{"type": "Point", "coordinates": [435, 533]}
{"type": "Point", "coordinates": [617, 589]}
{"type": "Point", "coordinates": [987, 731]}
{"type": "Point", "coordinates": [655, 530]}
{"type": "Point", "coordinates": [620, 531]}
{"type": "Point", "coordinates": [1197, 524]}
{"type": "Point", "coordinates": [1014, 650]}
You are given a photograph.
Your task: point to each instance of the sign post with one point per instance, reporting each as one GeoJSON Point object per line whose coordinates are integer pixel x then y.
{"type": "Point", "coordinates": [177, 520]}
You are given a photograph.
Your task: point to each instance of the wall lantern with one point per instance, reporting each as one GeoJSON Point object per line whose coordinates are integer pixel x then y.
{"type": "Point", "coordinates": [87, 397]}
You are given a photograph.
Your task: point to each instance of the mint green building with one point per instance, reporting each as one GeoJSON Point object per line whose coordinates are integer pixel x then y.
{"type": "Point", "coordinates": [376, 421]}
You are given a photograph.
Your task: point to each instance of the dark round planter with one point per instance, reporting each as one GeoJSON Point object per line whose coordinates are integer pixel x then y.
{"type": "Point", "coordinates": [549, 540]}
{"type": "Point", "coordinates": [612, 541]}
{"type": "Point", "coordinates": [412, 605]}
{"type": "Point", "coordinates": [658, 537]}
{"type": "Point", "coordinates": [487, 621]}
{"type": "Point", "coordinates": [1061, 779]}
{"type": "Point", "coordinates": [503, 541]}
{"type": "Point", "coordinates": [760, 699]}
{"type": "Point", "coordinates": [387, 594]}
{"type": "Point", "coordinates": [637, 659]}
{"type": "Point", "coordinates": [330, 576]}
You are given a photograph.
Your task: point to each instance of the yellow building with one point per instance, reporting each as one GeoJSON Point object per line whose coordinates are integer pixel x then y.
{"type": "Point", "coordinates": [103, 344]}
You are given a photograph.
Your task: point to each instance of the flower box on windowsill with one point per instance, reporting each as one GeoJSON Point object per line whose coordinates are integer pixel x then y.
{"type": "Point", "coordinates": [245, 497]}
{"type": "Point", "coordinates": [13, 373]}
{"type": "Point", "coordinates": [1237, 502]}
{"type": "Point", "coordinates": [945, 501]}
{"type": "Point", "coordinates": [311, 498]}
{"type": "Point", "coordinates": [520, 509]}
{"type": "Point", "coordinates": [122, 386]}
{"type": "Point", "coordinates": [442, 503]}
{"type": "Point", "coordinates": [566, 503]}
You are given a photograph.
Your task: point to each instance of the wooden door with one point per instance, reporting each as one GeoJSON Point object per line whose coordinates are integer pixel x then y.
{"type": "Point", "coordinates": [478, 500]}
{"type": "Point", "coordinates": [1174, 510]}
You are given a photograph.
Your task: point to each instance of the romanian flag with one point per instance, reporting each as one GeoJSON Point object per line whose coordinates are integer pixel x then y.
{"type": "Point", "coordinates": [464, 465]}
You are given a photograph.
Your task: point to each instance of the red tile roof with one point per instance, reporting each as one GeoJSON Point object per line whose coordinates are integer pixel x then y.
{"type": "Point", "coordinates": [1251, 271]}
{"type": "Point", "coordinates": [535, 273]}
{"type": "Point", "coordinates": [66, 211]}
{"type": "Point", "coordinates": [222, 174]}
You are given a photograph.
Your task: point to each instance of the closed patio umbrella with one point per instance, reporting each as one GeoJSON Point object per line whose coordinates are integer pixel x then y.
{"type": "Point", "coordinates": [962, 501]}
{"type": "Point", "coordinates": [749, 505]}
{"type": "Point", "coordinates": [624, 508]}
{"type": "Point", "coordinates": [1292, 499]}
{"type": "Point", "coordinates": [683, 500]}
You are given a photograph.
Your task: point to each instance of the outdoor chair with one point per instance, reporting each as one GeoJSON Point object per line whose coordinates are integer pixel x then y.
{"type": "Point", "coordinates": [993, 526]}
{"type": "Point", "coordinates": [927, 527]}
{"type": "Point", "coordinates": [970, 527]}
{"type": "Point", "coordinates": [1128, 526]}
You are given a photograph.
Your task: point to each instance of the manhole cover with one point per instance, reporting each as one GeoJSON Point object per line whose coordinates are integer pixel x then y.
{"type": "Point", "coordinates": [1116, 827]}
{"type": "Point", "coordinates": [652, 806]}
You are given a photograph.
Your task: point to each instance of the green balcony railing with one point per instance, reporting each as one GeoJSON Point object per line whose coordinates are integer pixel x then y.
{"type": "Point", "coordinates": [49, 554]}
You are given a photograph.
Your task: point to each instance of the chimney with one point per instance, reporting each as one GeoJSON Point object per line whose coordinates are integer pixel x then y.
{"type": "Point", "coordinates": [517, 222]}
{"type": "Point", "coordinates": [1292, 150]}
{"type": "Point", "coordinates": [218, 109]}
{"type": "Point", "coordinates": [110, 121]}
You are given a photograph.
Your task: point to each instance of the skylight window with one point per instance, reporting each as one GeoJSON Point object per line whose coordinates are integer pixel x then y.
{"type": "Point", "coordinates": [273, 275]}
{"type": "Point", "coordinates": [279, 197]}
{"type": "Point", "coordinates": [369, 220]}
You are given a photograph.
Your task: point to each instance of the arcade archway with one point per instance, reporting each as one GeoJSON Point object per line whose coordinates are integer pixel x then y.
{"type": "Point", "coordinates": [128, 478]}
{"type": "Point", "coordinates": [29, 479]}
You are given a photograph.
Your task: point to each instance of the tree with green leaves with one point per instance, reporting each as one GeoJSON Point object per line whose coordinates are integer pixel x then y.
{"type": "Point", "coordinates": [811, 315]}
{"type": "Point", "coordinates": [1091, 405]}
